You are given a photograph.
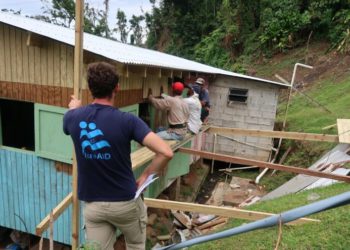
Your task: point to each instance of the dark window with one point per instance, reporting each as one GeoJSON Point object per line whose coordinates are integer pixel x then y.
{"type": "Point", "coordinates": [237, 95]}
{"type": "Point", "coordinates": [17, 124]}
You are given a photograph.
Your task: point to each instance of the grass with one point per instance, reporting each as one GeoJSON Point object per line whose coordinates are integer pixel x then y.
{"type": "Point", "coordinates": [331, 233]}
{"type": "Point", "coordinates": [304, 116]}
{"type": "Point", "coordinates": [308, 117]}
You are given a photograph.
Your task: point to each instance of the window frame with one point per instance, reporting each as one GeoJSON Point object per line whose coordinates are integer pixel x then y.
{"type": "Point", "coordinates": [239, 95]}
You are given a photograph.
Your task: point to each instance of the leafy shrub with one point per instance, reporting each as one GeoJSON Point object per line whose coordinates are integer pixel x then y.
{"type": "Point", "coordinates": [280, 20]}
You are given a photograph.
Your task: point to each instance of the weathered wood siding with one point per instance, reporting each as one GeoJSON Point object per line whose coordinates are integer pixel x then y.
{"type": "Point", "coordinates": [44, 73]}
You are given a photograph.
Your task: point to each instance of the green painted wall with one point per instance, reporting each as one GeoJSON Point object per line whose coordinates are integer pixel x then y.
{"type": "Point", "coordinates": [50, 141]}
{"type": "Point", "coordinates": [133, 109]}
{"type": "Point", "coordinates": [178, 166]}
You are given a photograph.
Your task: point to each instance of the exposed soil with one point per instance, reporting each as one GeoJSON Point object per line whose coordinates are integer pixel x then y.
{"type": "Point", "coordinates": [326, 65]}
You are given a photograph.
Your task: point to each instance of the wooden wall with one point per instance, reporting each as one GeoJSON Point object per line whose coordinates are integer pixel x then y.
{"type": "Point", "coordinates": [38, 69]}
{"type": "Point", "coordinates": [30, 187]}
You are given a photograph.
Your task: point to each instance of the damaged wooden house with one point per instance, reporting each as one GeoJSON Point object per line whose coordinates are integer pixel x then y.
{"type": "Point", "coordinates": [36, 82]}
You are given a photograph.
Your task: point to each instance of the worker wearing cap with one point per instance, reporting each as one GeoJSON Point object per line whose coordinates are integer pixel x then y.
{"type": "Point", "coordinates": [203, 93]}
{"type": "Point", "coordinates": [178, 113]}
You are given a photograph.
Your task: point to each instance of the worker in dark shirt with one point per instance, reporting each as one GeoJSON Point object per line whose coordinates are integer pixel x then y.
{"type": "Point", "coordinates": [101, 135]}
{"type": "Point", "coordinates": [203, 94]}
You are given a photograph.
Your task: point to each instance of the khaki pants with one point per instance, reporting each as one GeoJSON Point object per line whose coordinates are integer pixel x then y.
{"type": "Point", "coordinates": [103, 218]}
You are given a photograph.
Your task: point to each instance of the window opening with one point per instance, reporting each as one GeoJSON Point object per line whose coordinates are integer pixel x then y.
{"type": "Point", "coordinates": [237, 95]}
{"type": "Point", "coordinates": [17, 124]}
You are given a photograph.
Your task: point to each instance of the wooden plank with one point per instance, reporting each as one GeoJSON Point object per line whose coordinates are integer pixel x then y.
{"type": "Point", "coordinates": [343, 130]}
{"type": "Point", "coordinates": [70, 66]}
{"type": "Point", "coordinates": [31, 64]}
{"type": "Point", "coordinates": [7, 53]}
{"type": "Point", "coordinates": [63, 65]}
{"type": "Point", "coordinates": [144, 155]}
{"type": "Point", "coordinates": [2, 53]}
{"type": "Point", "coordinates": [19, 55]}
{"type": "Point", "coordinates": [275, 134]}
{"type": "Point", "coordinates": [215, 210]}
{"type": "Point", "coordinates": [78, 69]}
{"type": "Point", "coordinates": [50, 66]}
{"type": "Point", "coordinates": [262, 164]}
{"type": "Point", "coordinates": [13, 54]}
{"type": "Point", "coordinates": [56, 64]}
{"type": "Point", "coordinates": [57, 211]}
{"type": "Point", "coordinates": [37, 65]}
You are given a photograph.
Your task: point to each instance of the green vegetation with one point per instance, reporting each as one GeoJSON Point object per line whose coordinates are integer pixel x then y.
{"type": "Point", "coordinates": [230, 33]}
{"type": "Point", "coordinates": [331, 233]}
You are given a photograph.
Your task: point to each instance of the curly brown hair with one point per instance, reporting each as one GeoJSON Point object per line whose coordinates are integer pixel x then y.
{"type": "Point", "coordinates": [102, 79]}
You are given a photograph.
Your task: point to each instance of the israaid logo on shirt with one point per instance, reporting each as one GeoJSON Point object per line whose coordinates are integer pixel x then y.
{"type": "Point", "coordinates": [89, 134]}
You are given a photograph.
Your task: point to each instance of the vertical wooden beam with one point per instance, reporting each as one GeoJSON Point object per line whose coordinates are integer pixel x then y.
{"type": "Point", "coordinates": [78, 69]}
{"type": "Point", "coordinates": [214, 149]}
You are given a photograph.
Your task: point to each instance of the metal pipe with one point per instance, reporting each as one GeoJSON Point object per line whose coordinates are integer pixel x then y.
{"type": "Point", "coordinates": [257, 180]}
{"type": "Point", "coordinates": [293, 214]}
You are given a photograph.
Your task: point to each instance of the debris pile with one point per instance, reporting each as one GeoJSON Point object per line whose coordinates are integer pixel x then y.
{"type": "Point", "coordinates": [189, 225]}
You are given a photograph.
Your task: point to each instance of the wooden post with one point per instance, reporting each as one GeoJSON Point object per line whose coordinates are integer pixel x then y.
{"type": "Point", "coordinates": [78, 69]}
{"type": "Point", "coordinates": [214, 147]}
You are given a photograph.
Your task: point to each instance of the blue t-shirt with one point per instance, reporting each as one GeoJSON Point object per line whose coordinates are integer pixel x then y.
{"type": "Point", "coordinates": [101, 135]}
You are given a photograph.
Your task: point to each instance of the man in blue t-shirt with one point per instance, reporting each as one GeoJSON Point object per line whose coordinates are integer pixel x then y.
{"type": "Point", "coordinates": [101, 135]}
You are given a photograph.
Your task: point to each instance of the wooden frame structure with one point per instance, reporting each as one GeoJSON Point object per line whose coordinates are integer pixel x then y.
{"type": "Point", "coordinates": [227, 212]}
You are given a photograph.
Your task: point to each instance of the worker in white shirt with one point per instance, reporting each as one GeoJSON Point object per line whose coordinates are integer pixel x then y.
{"type": "Point", "coordinates": [194, 122]}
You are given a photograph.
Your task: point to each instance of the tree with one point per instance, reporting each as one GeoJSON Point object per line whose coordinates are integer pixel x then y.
{"type": "Point", "coordinates": [62, 12]}
{"type": "Point", "coordinates": [121, 26]}
{"type": "Point", "coordinates": [136, 28]}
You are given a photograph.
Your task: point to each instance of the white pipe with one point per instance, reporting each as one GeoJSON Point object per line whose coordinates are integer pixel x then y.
{"type": "Point", "coordinates": [257, 179]}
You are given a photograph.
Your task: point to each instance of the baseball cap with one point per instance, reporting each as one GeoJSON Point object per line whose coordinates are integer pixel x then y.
{"type": "Point", "coordinates": [200, 81]}
{"type": "Point", "coordinates": [178, 86]}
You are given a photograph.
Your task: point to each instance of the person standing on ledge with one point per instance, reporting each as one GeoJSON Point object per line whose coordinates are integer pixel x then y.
{"type": "Point", "coordinates": [194, 105]}
{"type": "Point", "coordinates": [102, 135]}
{"type": "Point", "coordinates": [178, 113]}
{"type": "Point", "coordinates": [203, 93]}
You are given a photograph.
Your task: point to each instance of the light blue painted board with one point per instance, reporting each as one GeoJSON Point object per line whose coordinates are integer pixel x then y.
{"type": "Point", "coordinates": [11, 192]}
{"type": "Point", "coordinates": [35, 197]}
{"type": "Point", "coordinates": [40, 189]}
{"type": "Point", "coordinates": [67, 187]}
{"type": "Point", "coordinates": [24, 178]}
{"type": "Point", "coordinates": [0, 128]}
{"type": "Point", "coordinates": [19, 217]}
{"type": "Point", "coordinates": [4, 219]}
{"type": "Point", "coordinates": [30, 189]}
{"type": "Point", "coordinates": [2, 200]}
{"type": "Point", "coordinates": [26, 214]}
{"type": "Point", "coordinates": [58, 223]}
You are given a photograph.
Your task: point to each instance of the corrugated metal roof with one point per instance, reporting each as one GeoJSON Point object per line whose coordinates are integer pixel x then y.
{"type": "Point", "coordinates": [124, 53]}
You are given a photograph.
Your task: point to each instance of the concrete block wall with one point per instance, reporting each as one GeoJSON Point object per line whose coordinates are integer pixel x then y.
{"type": "Point", "coordinates": [259, 112]}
